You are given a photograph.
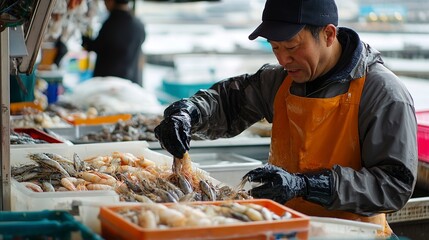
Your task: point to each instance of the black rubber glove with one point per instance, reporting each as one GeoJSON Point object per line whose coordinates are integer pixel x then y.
{"type": "Point", "coordinates": [282, 186]}
{"type": "Point", "coordinates": [174, 132]}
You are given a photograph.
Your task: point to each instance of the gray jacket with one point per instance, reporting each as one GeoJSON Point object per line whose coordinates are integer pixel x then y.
{"type": "Point", "coordinates": [387, 126]}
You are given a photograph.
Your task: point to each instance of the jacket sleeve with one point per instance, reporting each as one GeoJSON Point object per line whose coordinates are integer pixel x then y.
{"type": "Point", "coordinates": [388, 140]}
{"type": "Point", "coordinates": [232, 105]}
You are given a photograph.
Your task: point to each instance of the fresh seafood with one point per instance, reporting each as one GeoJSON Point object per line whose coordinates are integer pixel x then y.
{"type": "Point", "coordinates": [139, 127]}
{"type": "Point", "coordinates": [133, 178]}
{"type": "Point", "coordinates": [38, 120]}
{"type": "Point", "coordinates": [45, 161]}
{"type": "Point", "coordinates": [23, 138]}
{"type": "Point", "coordinates": [152, 216]}
{"type": "Point", "coordinates": [47, 186]}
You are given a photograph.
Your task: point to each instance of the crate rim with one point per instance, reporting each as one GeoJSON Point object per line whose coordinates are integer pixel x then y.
{"type": "Point", "coordinates": [407, 213]}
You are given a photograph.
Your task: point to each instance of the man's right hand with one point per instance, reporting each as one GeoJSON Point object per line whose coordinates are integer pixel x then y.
{"type": "Point", "coordinates": [174, 133]}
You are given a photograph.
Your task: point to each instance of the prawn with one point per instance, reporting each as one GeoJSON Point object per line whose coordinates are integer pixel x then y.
{"type": "Point", "coordinates": [68, 184]}
{"type": "Point", "coordinates": [94, 186]}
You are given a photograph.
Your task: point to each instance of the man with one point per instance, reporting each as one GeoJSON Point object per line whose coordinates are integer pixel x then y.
{"type": "Point", "coordinates": [344, 129]}
{"type": "Point", "coordinates": [118, 44]}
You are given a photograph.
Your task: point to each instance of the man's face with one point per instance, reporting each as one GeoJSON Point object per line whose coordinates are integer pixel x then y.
{"type": "Point", "coordinates": [302, 56]}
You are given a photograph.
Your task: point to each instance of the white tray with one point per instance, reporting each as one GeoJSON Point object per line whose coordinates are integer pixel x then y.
{"type": "Point", "coordinates": [335, 228]}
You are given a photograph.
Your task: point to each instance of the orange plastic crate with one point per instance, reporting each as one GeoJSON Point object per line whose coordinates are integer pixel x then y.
{"type": "Point", "coordinates": [109, 119]}
{"type": "Point", "coordinates": [16, 108]}
{"type": "Point", "coordinates": [423, 135]}
{"type": "Point", "coordinates": [113, 226]}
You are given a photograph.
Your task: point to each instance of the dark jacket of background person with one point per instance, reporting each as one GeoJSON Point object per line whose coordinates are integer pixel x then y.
{"type": "Point", "coordinates": [118, 46]}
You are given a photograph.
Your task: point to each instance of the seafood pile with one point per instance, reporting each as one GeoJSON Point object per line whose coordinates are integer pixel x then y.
{"type": "Point", "coordinates": [139, 127]}
{"type": "Point", "coordinates": [159, 216]}
{"type": "Point", "coordinates": [23, 138]}
{"type": "Point", "coordinates": [38, 120]}
{"type": "Point", "coordinates": [133, 178]}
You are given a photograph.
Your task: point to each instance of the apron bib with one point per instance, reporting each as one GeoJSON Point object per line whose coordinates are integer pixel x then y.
{"type": "Point", "coordinates": [312, 134]}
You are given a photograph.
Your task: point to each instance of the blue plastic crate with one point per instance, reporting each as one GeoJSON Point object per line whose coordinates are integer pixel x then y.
{"type": "Point", "coordinates": [47, 224]}
{"type": "Point", "coordinates": [184, 90]}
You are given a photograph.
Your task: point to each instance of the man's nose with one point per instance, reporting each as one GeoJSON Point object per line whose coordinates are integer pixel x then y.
{"type": "Point", "coordinates": [284, 59]}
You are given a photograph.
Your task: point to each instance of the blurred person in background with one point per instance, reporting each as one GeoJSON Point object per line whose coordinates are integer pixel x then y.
{"type": "Point", "coordinates": [119, 44]}
{"type": "Point", "coordinates": [344, 130]}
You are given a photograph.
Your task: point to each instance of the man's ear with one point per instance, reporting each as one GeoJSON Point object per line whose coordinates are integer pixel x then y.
{"type": "Point", "coordinates": [329, 34]}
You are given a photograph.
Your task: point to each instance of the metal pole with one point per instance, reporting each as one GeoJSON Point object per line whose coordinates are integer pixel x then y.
{"type": "Point", "coordinates": [4, 121]}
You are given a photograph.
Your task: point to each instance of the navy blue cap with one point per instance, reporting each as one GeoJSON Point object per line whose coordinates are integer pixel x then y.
{"type": "Point", "coordinates": [283, 19]}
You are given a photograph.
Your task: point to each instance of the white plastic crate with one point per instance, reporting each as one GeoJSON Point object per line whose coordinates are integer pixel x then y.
{"type": "Point", "coordinates": [25, 200]}
{"type": "Point", "coordinates": [335, 228]}
{"type": "Point", "coordinates": [228, 168]}
{"type": "Point", "coordinates": [415, 209]}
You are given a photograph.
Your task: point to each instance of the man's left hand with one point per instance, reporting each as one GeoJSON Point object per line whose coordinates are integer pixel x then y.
{"type": "Point", "coordinates": [277, 184]}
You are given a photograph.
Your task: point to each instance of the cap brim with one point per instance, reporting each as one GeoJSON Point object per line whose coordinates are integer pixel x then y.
{"type": "Point", "coordinates": [276, 31]}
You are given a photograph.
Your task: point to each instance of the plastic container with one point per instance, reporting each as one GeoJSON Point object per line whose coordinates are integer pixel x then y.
{"type": "Point", "coordinates": [23, 199]}
{"type": "Point", "coordinates": [55, 88]}
{"type": "Point", "coordinates": [113, 226]}
{"type": "Point", "coordinates": [17, 107]}
{"type": "Point", "coordinates": [43, 225]}
{"type": "Point", "coordinates": [228, 168]}
{"type": "Point", "coordinates": [109, 119]}
{"type": "Point", "coordinates": [17, 94]}
{"type": "Point", "coordinates": [183, 90]}
{"type": "Point", "coordinates": [423, 135]}
{"type": "Point", "coordinates": [335, 228]}
{"type": "Point", "coordinates": [415, 209]}
{"type": "Point", "coordinates": [412, 221]}
{"type": "Point", "coordinates": [26, 200]}
{"type": "Point", "coordinates": [36, 134]}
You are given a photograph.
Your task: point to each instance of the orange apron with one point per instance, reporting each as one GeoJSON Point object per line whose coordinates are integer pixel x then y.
{"type": "Point", "coordinates": [311, 134]}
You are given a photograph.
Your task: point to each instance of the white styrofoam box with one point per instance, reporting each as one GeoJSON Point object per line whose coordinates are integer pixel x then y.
{"type": "Point", "coordinates": [227, 168]}
{"type": "Point", "coordinates": [24, 199]}
{"type": "Point", "coordinates": [414, 210]}
{"type": "Point", "coordinates": [335, 228]}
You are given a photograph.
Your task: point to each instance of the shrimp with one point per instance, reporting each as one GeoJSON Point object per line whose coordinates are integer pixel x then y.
{"type": "Point", "coordinates": [106, 179]}
{"type": "Point", "coordinates": [144, 163]}
{"type": "Point", "coordinates": [81, 187]}
{"type": "Point", "coordinates": [68, 184]}
{"type": "Point", "coordinates": [126, 158]}
{"type": "Point", "coordinates": [127, 168]}
{"type": "Point", "coordinates": [90, 177]}
{"type": "Point", "coordinates": [94, 186]}
{"type": "Point", "coordinates": [98, 161]}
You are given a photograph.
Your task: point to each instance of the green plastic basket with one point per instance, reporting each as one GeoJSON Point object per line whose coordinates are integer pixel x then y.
{"type": "Point", "coordinates": [47, 224]}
